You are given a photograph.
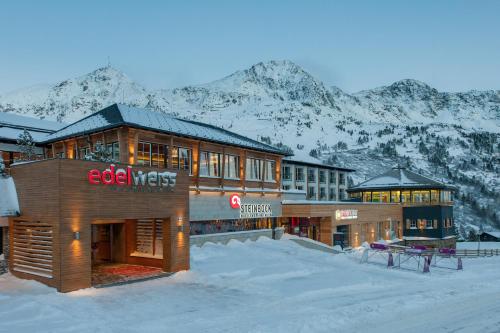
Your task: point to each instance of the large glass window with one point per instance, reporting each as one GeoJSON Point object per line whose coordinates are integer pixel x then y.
{"type": "Point", "coordinates": [311, 175]}
{"type": "Point", "coordinates": [333, 177]}
{"type": "Point", "coordinates": [405, 196]}
{"type": "Point", "coordinates": [322, 176]}
{"type": "Point", "coordinates": [287, 173]}
{"type": "Point", "coordinates": [182, 159]}
{"type": "Point", "coordinates": [232, 167]}
{"type": "Point", "coordinates": [395, 196]}
{"type": "Point", "coordinates": [254, 169]}
{"type": "Point", "coordinates": [270, 174]}
{"type": "Point", "coordinates": [84, 152]}
{"type": "Point", "coordinates": [322, 193]}
{"type": "Point", "coordinates": [421, 196]}
{"type": "Point", "coordinates": [341, 178]}
{"type": "Point", "coordinates": [299, 174]}
{"type": "Point", "coordinates": [311, 192]}
{"type": "Point", "coordinates": [151, 154]}
{"type": "Point", "coordinates": [434, 196]}
{"type": "Point", "coordinates": [446, 196]}
{"type": "Point", "coordinates": [114, 151]}
{"type": "Point", "coordinates": [384, 196]}
{"type": "Point", "coordinates": [367, 196]}
{"type": "Point", "coordinates": [376, 196]}
{"type": "Point", "coordinates": [210, 164]}
{"type": "Point", "coordinates": [342, 194]}
{"type": "Point", "coordinates": [332, 194]}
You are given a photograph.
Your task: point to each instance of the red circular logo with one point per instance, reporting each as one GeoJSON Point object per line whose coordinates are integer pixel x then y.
{"type": "Point", "coordinates": [235, 201]}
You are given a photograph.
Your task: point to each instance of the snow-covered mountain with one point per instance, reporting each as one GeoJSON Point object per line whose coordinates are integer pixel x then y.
{"type": "Point", "coordinates": [454, 136]}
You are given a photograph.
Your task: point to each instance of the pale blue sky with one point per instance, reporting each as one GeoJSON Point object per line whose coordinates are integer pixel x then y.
{"type": "Point", "coordinates": [452, 45]}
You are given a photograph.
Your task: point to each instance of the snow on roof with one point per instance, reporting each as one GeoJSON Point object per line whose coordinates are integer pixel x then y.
{"type": "Point", "coordinates": [11, 125]}
{"type": "Point", "coordinates": [9, 206]}
{"type": "Point", "coordinates": [315, 163]}
{"type": "Point", "coordinates": [118, 115]}
{"type": "Point", "coordinates": [7, 119]}
{"type": "Point", "coordinates": [495, 234]}
{"type": "Point", "coordinates": [400, 177]}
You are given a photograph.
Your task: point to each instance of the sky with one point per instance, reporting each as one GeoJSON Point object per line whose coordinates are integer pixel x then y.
{"type": "Point", "coordinates": [355, 45]}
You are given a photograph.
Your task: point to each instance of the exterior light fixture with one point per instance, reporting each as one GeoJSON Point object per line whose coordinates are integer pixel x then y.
{"type": "Point", "coordinates": [180, 226]}
{"type": "Point", "coordinates": [76, 235]}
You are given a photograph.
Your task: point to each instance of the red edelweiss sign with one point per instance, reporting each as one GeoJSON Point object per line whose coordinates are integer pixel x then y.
{"type": "Point", "coordinates": [129, 177]}
{"type": "Point", "coordinates": [235, 201]}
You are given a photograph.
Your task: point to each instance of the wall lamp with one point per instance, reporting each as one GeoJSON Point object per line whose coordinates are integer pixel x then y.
{"type": "Point", "coordinates": [180, 226]}
{"type": "Point", "coordinates": [76, 235]}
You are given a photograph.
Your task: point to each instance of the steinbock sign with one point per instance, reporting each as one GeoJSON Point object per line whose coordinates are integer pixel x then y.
{"type": "Point", "coordinates": [346, 214]}
{"type": "Point", "coordinates": [250, 210]}
{"type": "Point", "coordinates": [127, 178]}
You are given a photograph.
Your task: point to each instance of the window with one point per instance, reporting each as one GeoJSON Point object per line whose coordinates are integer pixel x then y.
{"type": "Point", "coordinates": [322, 176]}
{"type": "Point", "coordinates": [311, 175]}
{"type": "Point", "coordinates": [286, 187]}
{"type": "Point", "coordinates": [287, 172]}
{"type": "Point", "coordinates": [210, 164]}
{"type": "Point", "coordinates": [332, 194]}
{"type": "Point", "coordinates": [405, 196]}
{"type": "Point", "coordinates": [151, 154]}
{"type": "Point", "coordinates": [395, 196]}
{"type": "Point", "coordinates": [375, 196]}
{"type": "Point", "coordinates": [182, 159]}
{"type": "Point", "coordinates": [333, 177]}
{"type": "Point", "coordinates": [413, 224]}
{"type": "Point", "coordinates": [322, 193]}
{"type": "Point", "coordinates": [421, 196]}
{"type": "Point", "coordinates": [270, 175]}
{"type": "Point", "coordinates": [84, 152]}
{"type": "Point", "coordinates": [149, 238]}
{"type": "Point", "coordinates": [311, 192]}
{"type": "Point", "coordinates": [434, 196]}
{"type": "Point", "coordinates": [341, 178]}
{"type": "Point", "coordinates": [299, 188]}
{"type": "Point", "coordinates": [428, 224]}
{"type": "Point", "coordinates": [342, 194]}
{"type": "Point", "coordinates": [299, 174]}
{"type": "Point", "coordinates": [254, 169]}
{"type": "Point", "coordinates": [113, 150]}
{"type": "Point", "coordinates": [367, 196]}
{"type": "Point", "coordinates": [445, 196]}
{"type": "Point", "coordinates": [232, 167]}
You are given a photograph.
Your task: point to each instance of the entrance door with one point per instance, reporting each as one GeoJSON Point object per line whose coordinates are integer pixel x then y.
{"type": "Point", "coordinates": [107, 243]}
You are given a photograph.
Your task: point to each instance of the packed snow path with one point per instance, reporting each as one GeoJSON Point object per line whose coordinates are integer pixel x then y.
{"type": "Point", "coordinates": [267, 286]}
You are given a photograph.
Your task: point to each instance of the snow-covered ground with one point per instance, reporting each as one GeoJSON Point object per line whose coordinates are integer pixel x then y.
{"type": "Point", "coordinates": [267, 286]}
{"type": "Point", "coordinates": [482, 246]}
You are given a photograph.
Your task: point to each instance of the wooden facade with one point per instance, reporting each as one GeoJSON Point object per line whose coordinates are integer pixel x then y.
{"type": "Point", "coordinates": [51, 240]}
{"type": "Point", "coordinates": [371, 222]}
{"type": "Point", "coordinates": [128, 139]}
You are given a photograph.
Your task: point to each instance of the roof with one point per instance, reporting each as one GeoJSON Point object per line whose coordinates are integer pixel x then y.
{"type": "Point", "coordinates": [495, 234]}
{"type": "Point", "coordinates": [122, 115]}
{"type": "Point", "coordinates": [11, 125]}
{"type": "Point", "coordinates": [9, 206]}
{"type": "Point", "coordinates": [400, 178]}
{"type": "Point", "coordinates": [315, 164]}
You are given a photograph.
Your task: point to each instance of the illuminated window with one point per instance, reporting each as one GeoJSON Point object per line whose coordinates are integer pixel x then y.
{"type": "Point", "coordinates": [254, 169]}
{"type": "Point", "coordinates": [270, 175]}
{"type": "Point", "coordinates": [413, 224]}
{"type": "Point", "coordinates": [395, 196]}
{"type": "Point", "coordinates": [367, 197]}
{"type": "Point", "coordinates": [210, 164]}
{"type": "Point", "coordinates": [182, 159]}
{"type": "Point", "coordinates": [405, 196]}
{"type": "Point", "coordinates": [232, 167]}
{"type": "Point", "coordinates": [152, 154]}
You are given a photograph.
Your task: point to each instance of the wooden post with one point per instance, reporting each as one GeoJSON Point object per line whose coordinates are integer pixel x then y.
{"type": "Point", "coordinates": [222, 175]}
{"type": "Point", "coordinates": [171, 153]}
{"type": "Point", "coordinates": [243, 168]}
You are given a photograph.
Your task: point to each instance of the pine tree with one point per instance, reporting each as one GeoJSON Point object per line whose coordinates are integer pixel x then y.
{"type": "Point", "coordinates": [26, 146]}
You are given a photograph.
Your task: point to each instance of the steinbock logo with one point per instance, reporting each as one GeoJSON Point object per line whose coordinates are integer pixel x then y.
{"type": "Point", "coordinates": [127, 177]}
{"type": "Point", "coordinates": [235, 201]}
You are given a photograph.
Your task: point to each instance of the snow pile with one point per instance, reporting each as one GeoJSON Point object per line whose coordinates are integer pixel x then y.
{"type": "Point", "coordinates": [267, 286]}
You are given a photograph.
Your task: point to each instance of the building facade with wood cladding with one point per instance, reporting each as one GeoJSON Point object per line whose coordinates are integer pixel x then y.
{"type": "Point", "coordinates": [123, 190]}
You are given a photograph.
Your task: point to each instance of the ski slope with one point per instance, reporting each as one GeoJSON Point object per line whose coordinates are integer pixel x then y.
{"type": "Point", "coordinates": [267, 286]}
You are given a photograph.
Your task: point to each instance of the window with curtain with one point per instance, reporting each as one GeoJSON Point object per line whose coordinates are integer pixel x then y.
{"type": "Point", "coordinates": [270, 171]}
{"type": "Point", "coordinates": [254, 169]}
{"type": "Point", "coordinates": [232, 167]}
{"type": "Point", "coordinates": [210, 164]}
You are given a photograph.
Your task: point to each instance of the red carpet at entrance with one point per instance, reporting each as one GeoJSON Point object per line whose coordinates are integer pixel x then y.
{"type": "Point", "coordinates": [113, 273]}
